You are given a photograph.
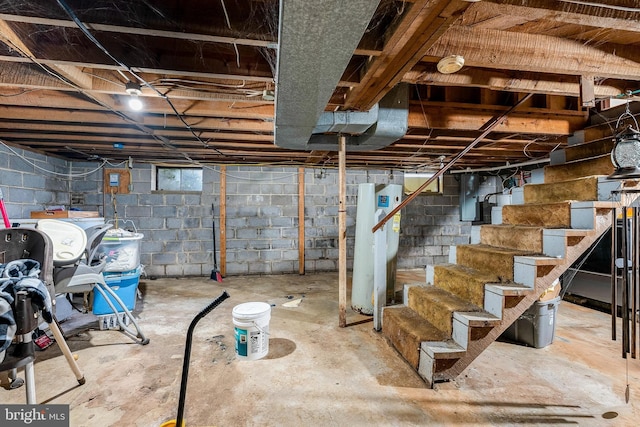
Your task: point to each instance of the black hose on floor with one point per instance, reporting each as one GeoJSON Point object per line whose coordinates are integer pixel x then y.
{"type": "Point", "coordinates": [187, 353]}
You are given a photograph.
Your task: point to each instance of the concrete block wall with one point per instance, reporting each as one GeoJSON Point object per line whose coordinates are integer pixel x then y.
{"type": "Point", "coordinates": [262, 216]}
{"type": "Point", "coordinates": [30, 182]}
{"type": "Point", "coordinates": [430, 224]}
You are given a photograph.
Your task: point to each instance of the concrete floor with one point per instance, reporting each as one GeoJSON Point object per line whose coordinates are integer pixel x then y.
{"type": "Point", "coordinates": [317, 374]}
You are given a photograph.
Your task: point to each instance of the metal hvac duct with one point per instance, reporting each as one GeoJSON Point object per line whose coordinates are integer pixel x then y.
{"type": "Point", "coordinates": [315, 44]}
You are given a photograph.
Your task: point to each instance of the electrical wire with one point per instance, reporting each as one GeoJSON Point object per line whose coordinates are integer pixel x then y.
{"type": "Point", "coordinates": [235, 46]}
{"type": "Point", "coordinates": [426, 120]}
{"type": "Point", "coordinates": [604, 6]}
{"type": "Point", "coordinates": [168, 80]}
{"type": "Point", "coordinates": [22, 92]}
{"type": "Point", "coordinates": [65, 175]}
{"type": "Point", "coordinates": [95, 41]}
{"type": "Point", "coordinates": [124, 117]}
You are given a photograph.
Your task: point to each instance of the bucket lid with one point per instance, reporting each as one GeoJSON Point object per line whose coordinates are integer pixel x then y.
{"type": "Point", "coordinates": [118, 234]}
{"type": "Point", "coordinates": [251, 310]}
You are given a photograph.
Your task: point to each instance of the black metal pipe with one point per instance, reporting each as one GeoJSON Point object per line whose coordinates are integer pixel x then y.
{"type": "Point", "coordinates": [614, 273]}
{"type": "Point", "coordinates": [634, 280]}
{"type": "Point", "coordinates": [625, 283]}
{"type": "Point", "coordinates": [187, 354]}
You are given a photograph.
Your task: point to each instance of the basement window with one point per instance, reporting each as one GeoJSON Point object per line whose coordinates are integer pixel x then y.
{"type": "Point", "coordinates": [169, 178]}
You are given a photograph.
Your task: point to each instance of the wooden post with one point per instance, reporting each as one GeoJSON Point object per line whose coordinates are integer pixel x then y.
{"type": "Point", "coordinates": [301, 220]}
{"type": "Point", "coordinates": [342, 231]}
{"type": "Point", "coordinates": [223, 220]}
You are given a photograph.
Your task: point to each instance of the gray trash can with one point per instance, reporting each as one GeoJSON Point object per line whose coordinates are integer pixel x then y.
{"type": "Point", "coordinates": [536, 327]}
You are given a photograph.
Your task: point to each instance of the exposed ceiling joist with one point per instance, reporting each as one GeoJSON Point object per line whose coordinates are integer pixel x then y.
{"type": "Point", "coordinates": [533, 52]}
{"type": "Point", "coordinates": [550, 84]}
{"type": "Point", "coordinates": [62, 95]}
{"type": "Point", "coordinates": [423, 24]}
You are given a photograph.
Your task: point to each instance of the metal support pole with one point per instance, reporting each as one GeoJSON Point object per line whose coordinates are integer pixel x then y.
{"type": "Point", "coordinates": [634, 280]}
{"type": "Point", "coordinates": [625, 283]}
{"type": "Point", "coordinates": [614, 273]}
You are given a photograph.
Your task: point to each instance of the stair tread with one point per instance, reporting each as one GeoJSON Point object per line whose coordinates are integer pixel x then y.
{"type": "Point", "coordinates": [438, 306]}
{"type": "Point", "coordinates": [468, 271]}
{"type": "Point", "coordinates": [512, 226]}
{"type": "Point", "coordinates": [511, 289]}
{"type": "Point", "coordinates": [465, 282]}
{"type": "Point", "coordinates": [444, 298]}
{"type": "Point", "coordinates": [442, 349]}
{"type": "Point", "coordinates": [569, 231]}
{"type": "Point", "coordinates": [572, 180]}
{"type": "Point", "coordinates": [475, 318]}
{"type": "Point", "coordinates": [538, 260]}
{"type": "Point", "coordinates": [481, 247]}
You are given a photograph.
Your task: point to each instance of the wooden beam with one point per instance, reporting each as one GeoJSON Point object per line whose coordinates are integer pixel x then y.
{"type": "Point", "coordinates": [218, 109]}
{"type": "Point", "coordinates": [22, 76]}
{"type": "Point", "coordinates": [316, 156]}
{"type": "Point", "coordinates": [301, 237]}
{"type": "Point", "coordinates": [421, 26]}
{"type": "Point", "coordinates": [538, 53]}
{"type": "Point", "coordinates": [563, 12]}
{"type": "Point", "coordinates": [259, 41]}
{"type": "Point", "coordinates": [90, 118]}
{"type": "Point", "coordinates": [342, 231]}
{"type": "Point", "coordinates": [516, 81]}
{"type": "Point", "coordinates": [163, 71]}
{"type": "Point", "coordinates": [19, 75]}
{"type": "Point", "coordinates": [223, 221]}
{"type": "Point", "coordinates": [450, 117]}
{"type": "Point", "coordinates": [88, 132]}
{"type": "Point", "coordinates": [71, 73]}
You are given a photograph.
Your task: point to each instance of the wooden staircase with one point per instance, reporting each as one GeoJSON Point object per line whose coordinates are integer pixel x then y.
{"type": "Point", "coordinates": [469, 302]}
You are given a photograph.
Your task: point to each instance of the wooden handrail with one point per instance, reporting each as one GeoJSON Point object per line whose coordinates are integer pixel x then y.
{"type": "Point", "coordinates": [486, 129]}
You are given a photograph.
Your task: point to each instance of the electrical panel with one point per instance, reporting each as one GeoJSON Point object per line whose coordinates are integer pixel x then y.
{"type": "Point", "coordinates": [469, 203]}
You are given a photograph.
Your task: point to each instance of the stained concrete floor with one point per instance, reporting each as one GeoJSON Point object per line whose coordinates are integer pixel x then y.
{"type": "Point", "coordinates": [317, 374]}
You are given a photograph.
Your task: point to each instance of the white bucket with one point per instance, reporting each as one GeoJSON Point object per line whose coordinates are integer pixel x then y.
{"type": "Point", "coordinates": [251, 321]}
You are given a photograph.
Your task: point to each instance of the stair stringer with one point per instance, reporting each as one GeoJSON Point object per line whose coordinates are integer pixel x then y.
{"type": "Point", "coordinates": [464, 356]}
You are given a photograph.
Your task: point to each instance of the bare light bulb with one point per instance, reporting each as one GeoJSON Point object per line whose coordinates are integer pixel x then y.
{"type": "Point", "coordinates": [133, 89]}
{"type": "Point", "coordinates": [135, 103]}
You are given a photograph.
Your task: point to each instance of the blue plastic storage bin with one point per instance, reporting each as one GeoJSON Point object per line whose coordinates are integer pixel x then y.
{"type": "Point", "coordinates": [125, 285]}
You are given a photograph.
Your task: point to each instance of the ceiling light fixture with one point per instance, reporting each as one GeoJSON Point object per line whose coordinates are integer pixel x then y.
{"type": "Point", "coordinates": [133, 89]}
{"type": "Point", "coordinates": [450, 64]}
